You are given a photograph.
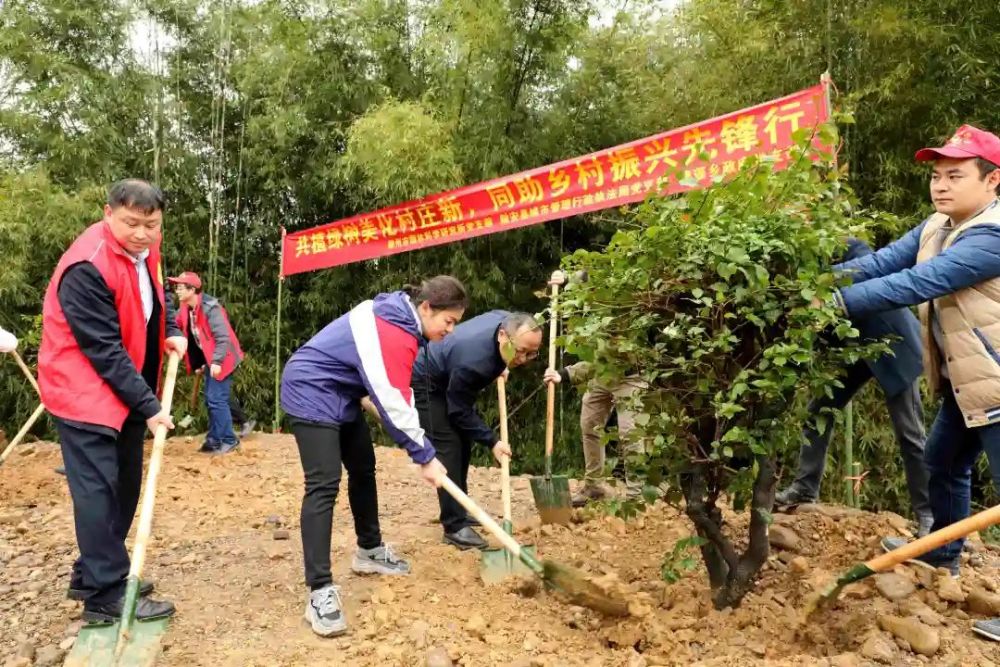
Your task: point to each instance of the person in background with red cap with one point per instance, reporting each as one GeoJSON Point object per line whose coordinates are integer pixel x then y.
{"type": "Point", "coordinates": [949, 265]}
{"type": "Point", "coordinates": [212, 343]}
{"type": "Point", "coordinates": [105, 326]}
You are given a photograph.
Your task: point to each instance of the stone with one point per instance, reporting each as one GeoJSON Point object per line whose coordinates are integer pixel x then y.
{"type": "Point", "coordinates": [67, 643]}
{"type": "Point", "coordinates": [894, 586]}
{"type": "Point", "coordinates": [418, 633]}
{"type": "Point", "coordinates": [948, 589]}
{"type": "Point", "coordinates": [981, 602]}
{"type": "Point", "coordinates": [783, 537]}
{"type": "Point", "coordinates": [845, 660]}
{"type": "Point", "coordinates": [281, 534]}
{"type": "Point", "coordinates": [383, 595]}
{"type": "Point", "coordinates": [26, 650]}
{"type": "Point", "coordinates": [49, 656]}
{"type": "Point", "coordinates": [879, 647]}
{"type": "Point", "coordinates": [477, 626]}
{"type": "Point", "coordinates": [799, 565]}
{"type": "Point", "coordinates": [898, 522]}
{"type": "Point", "coordinates": [921, 638]}
{"type": "Point", "coordinates": [438, 657]}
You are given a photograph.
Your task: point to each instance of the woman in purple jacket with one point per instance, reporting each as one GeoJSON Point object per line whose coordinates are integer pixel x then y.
{"type": "Point", "coordinates": [367, 352]}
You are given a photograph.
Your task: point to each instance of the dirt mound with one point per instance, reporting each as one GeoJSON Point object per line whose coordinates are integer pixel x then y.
{"type": "Point", "coordinates": [226, 549]}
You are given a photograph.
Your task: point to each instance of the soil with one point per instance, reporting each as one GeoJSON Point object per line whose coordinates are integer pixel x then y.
{"type": "Point", "coordinates": [226, 550]}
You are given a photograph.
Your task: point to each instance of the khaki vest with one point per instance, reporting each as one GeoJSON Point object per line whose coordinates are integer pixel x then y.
{"type": "Point", "coordinates": [970, 324]}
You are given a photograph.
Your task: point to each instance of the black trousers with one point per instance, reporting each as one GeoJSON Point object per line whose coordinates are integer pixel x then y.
{"type": "Point", "coordinates": [104, 472]}
{"type": "Point", "coordinates": [323, 448]}
{"type": "Point", "coordinates": [236, 409]}
{"type": "Point", "coordinates": [453, 450]}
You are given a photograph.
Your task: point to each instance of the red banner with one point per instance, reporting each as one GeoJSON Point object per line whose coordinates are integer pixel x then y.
{"type": "Point", "coordinates": [691, 157]}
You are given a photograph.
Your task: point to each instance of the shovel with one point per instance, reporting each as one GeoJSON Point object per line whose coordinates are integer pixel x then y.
{"type": "Point", "coordinates": [552, 493]}
{"type": "Point", "coordinates": [130, 642]}
{"type": "Point", "coordinates": [496, 565]}
{"type": "Point", "coordinates": [571, 583]}
{"type": "Point", "coordinates": [911, 550]}
{"type": "Point", "coordinates": [23, 432]}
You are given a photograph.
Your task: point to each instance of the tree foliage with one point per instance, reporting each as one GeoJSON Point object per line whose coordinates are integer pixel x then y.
{"type": "Point", "coordinates": [709, 299]}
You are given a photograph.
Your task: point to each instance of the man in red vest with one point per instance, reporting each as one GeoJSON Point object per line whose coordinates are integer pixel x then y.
{"type": "Point", "coordinates": [105, 327]}
{"type": "Point", "coordinates": [212, 342]}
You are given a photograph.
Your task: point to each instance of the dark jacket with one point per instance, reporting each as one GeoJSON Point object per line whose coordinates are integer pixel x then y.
{"type": "Point", "coordinates": [894, 372]}
{"type": "Point", "coordinates": [460, 367]}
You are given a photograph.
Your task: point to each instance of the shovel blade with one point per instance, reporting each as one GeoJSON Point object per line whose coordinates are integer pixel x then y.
{"type": "Point", "coordinates": [496, 565]}
{"type": "Point", "coordinates": [95, 645]}
{"type": "Point", "coordinates": [552, 498]}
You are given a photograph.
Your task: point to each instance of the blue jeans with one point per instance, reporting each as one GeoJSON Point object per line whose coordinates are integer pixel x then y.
{"type": "Point", "coordinates": [951, 453]}
{"type": "Point", "coordinates": [220, 419]}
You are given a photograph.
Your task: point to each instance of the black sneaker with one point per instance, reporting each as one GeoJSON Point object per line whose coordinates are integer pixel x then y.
{"type": "Point", "coordinates": [793, 497]}
{"type": "Point", "coordinates": [989, 629]}
{"type": "Point", "coordinates": [146, 609]}
{"type": "Point", "coordinates": [467, 538]}
{"type": "Point", "coordinates": [80, 594]}
{"type": "Point", "coordinates": [924, 560]}
{"type": "Point", "coordinates": [209, 447]}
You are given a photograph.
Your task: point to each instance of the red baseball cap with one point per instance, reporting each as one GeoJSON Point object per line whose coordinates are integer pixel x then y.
{"type": "Point", "coordinates": [967, 142]}
{"type": "Point", "coordinates": [187, 278]}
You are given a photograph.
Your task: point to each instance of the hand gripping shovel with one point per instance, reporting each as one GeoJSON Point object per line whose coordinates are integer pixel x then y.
{"type": "Point", "coordinates": [130, 642]}
{"type": "Point", "coordinates": [908, 551]}
{"type": "Point", "coordinates": [498, 564]}
{"type": "Point", "coordinates": [570, 583]}
{"type": "Point", "coordinates": [552, 493]}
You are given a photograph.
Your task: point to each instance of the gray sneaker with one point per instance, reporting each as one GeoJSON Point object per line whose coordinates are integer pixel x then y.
{"type": "Point", "coordinates": [893, 543]}
{"type": "Point", "coordinates": [324, 612]}
{"type": "Point", "coordinates": [380, 560]}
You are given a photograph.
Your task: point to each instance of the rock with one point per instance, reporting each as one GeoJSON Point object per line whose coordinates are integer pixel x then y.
{"type": "Point", "coordinates": [438, 657]}
{"type": "Point", "coordinates": [27, 450]}
{"type": "Point", "coordinates": [844, 659]}
{"type": "Point", "coordinates": [26, 650]}
{"type": "Point", "coordinates": [67, 643]}
{"type": "Point", "coordinates": [280, 534]}
{"type": "Point", "coordinates": [921, 638]}
{"type": "Point", "coordinates": [894, 586]}
{"type": "Point", "coordinates": [916, 608]}
{"type": "Point", "coordinates": [799, 565]}
{"type": "Point", "coordinates": [879, 647]}
{"type": "Point", "coordinates": [530, 642]}
{"type": "Point", "coordinates": [383, 595]}
{"type": "Point", "coordinates": [273, 520]}
{"type": "Point", "coordinates": [17, 662]}
{"type": "Point", "coordinates": [418, 633]}
{"type": "Point", "coordinates": [981, 602]}
{"type": "Point", "coordinates": [783, 537]}
{"type": "Point", "coordinates": [189, 559]}
{"type": "Point", "coordinates": [477, 626]}
{"type": "Point", "coordinates": [49, 656]}
{"type": "Point", "coordinates": [897, 522]}
{"type": "Point", "coordinates": [757, 648]}
{"type": "Point", "coordinates": [948, 589]}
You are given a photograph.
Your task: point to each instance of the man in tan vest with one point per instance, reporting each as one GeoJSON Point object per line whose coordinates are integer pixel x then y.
{"type": "Point", "coordinates": [950, 266]}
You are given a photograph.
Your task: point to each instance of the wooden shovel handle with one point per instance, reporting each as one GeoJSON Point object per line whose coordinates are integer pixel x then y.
{"type": "Point", "coordinates": [484, 519]}
{"type": "Point", "coordinates": [938, 538]}
{"type": "Point", "coordinates": [550, 399]}
{"type": "Point", "coordinates": [153, 473]}
{"type": "Point", "coordinates": [23, 432]}
{"type": "Point", "coordinates": [504, 460]}
{"type": "Point", "coordinates": [27, 372]}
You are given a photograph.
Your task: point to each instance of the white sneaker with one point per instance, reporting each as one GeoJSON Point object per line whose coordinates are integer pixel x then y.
{"type": "Point", "coordinates": [380, 560]}
{"type": "Point", "coordinates": [324, 612]}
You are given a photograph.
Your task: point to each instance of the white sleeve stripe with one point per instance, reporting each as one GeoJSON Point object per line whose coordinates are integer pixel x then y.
{"type": "Point", "coordinates": [401, 413]}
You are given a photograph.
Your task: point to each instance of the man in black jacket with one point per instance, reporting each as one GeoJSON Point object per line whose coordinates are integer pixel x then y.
{"type": "Point", "coordinates": [448, 376]}
{"type": "Point", "coordinates": [898, 375]}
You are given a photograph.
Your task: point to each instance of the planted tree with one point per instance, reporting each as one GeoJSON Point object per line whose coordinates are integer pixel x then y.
{"type": "Point", "coordinates": [719, 302]}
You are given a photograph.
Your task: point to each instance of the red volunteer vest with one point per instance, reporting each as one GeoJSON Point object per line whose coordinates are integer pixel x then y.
{"type": "Point", "coordinates": [71, 388]}
{"type": "Point", "coordinates": [233, 355]}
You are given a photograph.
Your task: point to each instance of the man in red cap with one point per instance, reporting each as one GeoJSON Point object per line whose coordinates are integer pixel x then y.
{"type": "Point", "coordinates": [212, 343]}
{"type": "Point", "coordinates": [105, 325]}
{"type": "Point", "coordinates": [950, 266]}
